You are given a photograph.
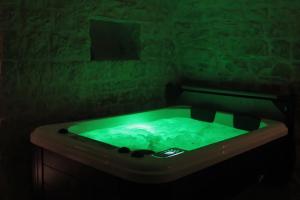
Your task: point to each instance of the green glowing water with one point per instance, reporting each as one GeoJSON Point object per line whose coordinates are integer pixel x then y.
{"type": "Point", "coordinates": [162, 134]}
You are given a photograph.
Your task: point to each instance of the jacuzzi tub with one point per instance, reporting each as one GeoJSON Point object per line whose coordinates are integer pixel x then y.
{"type": "Point", "coordinates": [211, 148]}
{"type": "Point", "coordinates": [103, 143]}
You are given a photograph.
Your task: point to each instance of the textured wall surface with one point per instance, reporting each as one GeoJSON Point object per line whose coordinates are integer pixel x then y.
{"type": "Point", "coordinates": [47, 58]}
{"type": "Point", "coordinates": [252, 45]}
{"type": "Point", "coordinates": [239, 41]}
{"type": "Point", "coordinates": [47, 75]}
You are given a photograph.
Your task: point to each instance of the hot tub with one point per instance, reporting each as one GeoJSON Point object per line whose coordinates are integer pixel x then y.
{"type": "Point", "coordinates": [155, 148]}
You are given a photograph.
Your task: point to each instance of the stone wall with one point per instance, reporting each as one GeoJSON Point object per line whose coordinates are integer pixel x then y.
{"type": "Point", "coordinates": [47, 56]}
{"type": "Point", "coordinates": [252, 45]}
{"type": "Point", "coordinates": [48, 76]}
{"type": "Point", "coordinates": [239, 41]}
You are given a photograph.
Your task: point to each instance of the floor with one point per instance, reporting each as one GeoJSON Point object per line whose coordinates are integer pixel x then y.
{"type": "Point", "coordinates": [264, 192]}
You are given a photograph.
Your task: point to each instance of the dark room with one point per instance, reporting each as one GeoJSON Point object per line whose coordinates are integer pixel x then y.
{"type": "Point", "coordinates": [149, 99]}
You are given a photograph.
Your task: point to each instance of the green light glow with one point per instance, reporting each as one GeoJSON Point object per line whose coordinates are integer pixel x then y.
{"type": "Point", "coordinates": [162, 134]}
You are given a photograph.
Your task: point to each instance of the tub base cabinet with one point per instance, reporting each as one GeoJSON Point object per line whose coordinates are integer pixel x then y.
{"type": "Point", "coordinates": [57, 177]}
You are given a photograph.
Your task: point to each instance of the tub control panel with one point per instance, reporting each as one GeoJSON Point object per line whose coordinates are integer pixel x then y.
{"type": "Point", "coordinates": [169, 153]}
